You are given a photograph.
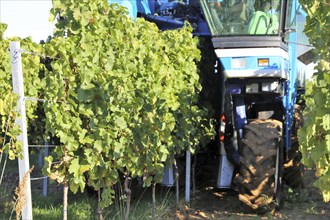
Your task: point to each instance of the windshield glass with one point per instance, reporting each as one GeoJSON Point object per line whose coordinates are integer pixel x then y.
{"type": "Point", "coordinates": [242, 17]}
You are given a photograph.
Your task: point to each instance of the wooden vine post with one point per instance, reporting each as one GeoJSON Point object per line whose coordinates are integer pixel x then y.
{"type": "Point", "coordinates": [23, 163]}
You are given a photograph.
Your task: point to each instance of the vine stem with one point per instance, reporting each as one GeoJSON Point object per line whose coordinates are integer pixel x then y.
{"type": "Point", "coordinates": [176, 182]}
{"type": "Point", "coordinates": [65, 194]}
{"type": "Point", "coordinates": [154, 201]}
{"type": "Point", "coordinates": [65, 200]}
{"type": "Point", "coordinates": [99, 209]}
{"type": "Point", "coordinates": [4, 166]}
{"type": "Point", "coordinates": [128, 193]}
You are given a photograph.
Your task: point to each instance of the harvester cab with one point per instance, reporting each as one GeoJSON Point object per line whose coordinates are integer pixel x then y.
{"type": "Point", "coordinates": [257, 50]}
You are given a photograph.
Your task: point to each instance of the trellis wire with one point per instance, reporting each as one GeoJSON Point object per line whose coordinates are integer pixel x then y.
{"type": "Point", "coordinates": [43, 146]}
{"type": "Point", "coordinates": [38, 54]}
{"type": "Point", "coordinates": [34, 99]}
{"type": "Point", "coordinates": [39, 178]}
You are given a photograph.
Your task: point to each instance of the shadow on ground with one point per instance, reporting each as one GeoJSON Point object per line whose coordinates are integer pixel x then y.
{"type": "Point", "coordinates": [209, 203]}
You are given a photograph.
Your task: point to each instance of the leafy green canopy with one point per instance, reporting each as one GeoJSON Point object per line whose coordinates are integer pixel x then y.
{"type": "Point", "coordinates": [315, 135]}
{"type": "Point", "coordinates": [124, 96]}
{"type": "Point", "coordinates": [8, 100]}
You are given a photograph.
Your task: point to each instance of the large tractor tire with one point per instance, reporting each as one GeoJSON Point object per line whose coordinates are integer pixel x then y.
{"type": "Point", "coordinates": [259, 180]}
{"type": "Point", "coordinates": [293, 168]}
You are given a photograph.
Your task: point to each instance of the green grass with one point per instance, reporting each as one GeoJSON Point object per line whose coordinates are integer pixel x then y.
{"type": "Point", "coordinates": [83, 206]}
{"type": "Point", "coordinates": [80, 206]}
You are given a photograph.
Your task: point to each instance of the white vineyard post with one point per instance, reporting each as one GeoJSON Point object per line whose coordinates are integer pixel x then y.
{"type": "Point", "coordinates": [188, 163]}
{"type": "Point", "coordinates": [23, 164]}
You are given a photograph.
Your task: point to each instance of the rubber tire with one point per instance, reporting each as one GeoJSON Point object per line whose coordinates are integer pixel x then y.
{"type": "Point", "coordinates": [256, 174]}
{"type": "Point", "coordinates": [293, 168]}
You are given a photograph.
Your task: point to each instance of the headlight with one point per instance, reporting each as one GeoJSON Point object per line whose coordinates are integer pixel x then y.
{"type": "Point", "coordinates": [239, 63]}
{"type": "Point", "coordinates": [252, 88]}
{"type": "Point", "coordinates": [270, 87]}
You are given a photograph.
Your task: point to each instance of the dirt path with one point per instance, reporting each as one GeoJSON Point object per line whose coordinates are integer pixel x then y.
{"type": "Point", "coordinates": [209, 203]}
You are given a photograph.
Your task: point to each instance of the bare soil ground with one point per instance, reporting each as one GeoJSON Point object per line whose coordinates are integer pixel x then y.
{"type": "Point", "coordinates": [208, 203]}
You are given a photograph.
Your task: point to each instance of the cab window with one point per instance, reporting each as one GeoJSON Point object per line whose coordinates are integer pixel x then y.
{"type": "Point", "coordinates": [242, 17]}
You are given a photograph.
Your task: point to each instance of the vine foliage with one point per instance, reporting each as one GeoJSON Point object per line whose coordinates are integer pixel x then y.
{"type": "Point", "coordinates": [315, 134]}
{"type": "Point", "coordinates": [8, 100]}
{"type": "Point", "coordinates": [122, 96]}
